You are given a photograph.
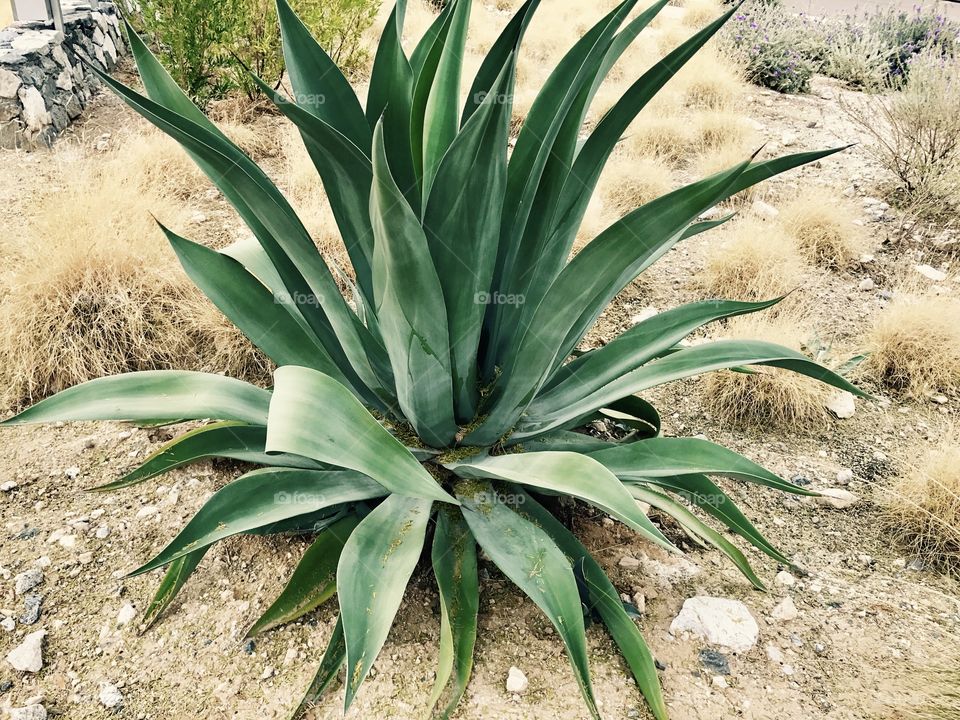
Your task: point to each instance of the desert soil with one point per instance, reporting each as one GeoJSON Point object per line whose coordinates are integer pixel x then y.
{"type": "Point", "coordinates": [871, 626]}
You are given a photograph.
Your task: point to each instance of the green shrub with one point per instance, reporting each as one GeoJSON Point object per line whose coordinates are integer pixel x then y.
{"type": "Point", "coordinates": [443, 399]}
{"type": "Point", "coordinates": [208, 46]}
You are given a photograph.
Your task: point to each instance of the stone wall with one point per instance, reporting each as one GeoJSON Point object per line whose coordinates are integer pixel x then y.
{"type": "Point", "coordinates": [44, 84]}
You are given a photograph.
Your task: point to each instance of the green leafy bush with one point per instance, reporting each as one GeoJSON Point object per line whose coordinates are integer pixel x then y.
{"type": "Point", "coordinates": [208, 46]}
{"type": "Point", "coordinates": [443, 403]}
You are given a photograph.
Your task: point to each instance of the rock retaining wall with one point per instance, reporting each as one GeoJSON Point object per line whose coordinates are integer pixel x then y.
{"type": "Point", "coordinates": [44, 84]}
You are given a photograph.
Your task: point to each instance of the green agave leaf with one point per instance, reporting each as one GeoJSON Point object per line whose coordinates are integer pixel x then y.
{"type": "Point", "coordinates": [346, 173]}
{"type": "Point", "coordinates": [701, 491]}
{"type": "Point", "coordinates": [635, 413]}
{"type": "Point", "coordinates": [262, 497]}
{"type": "Point", "coordinates": [230, 439]}
{"type": "Point", "coordinates": [250, 306]}
{"type": "Point", "coordinates": [643, 342]}
{"type": "Point", "coordinates": [153, 395]}
{"type": "Point", "coordinates": [577, 297]}
{"type": "Point", "coordinates": [596, 150]}
{"type": "Point", "coordinates": [441, 110]}
{"type": "Point", "coordinates": [428, 41]}
{"type": "Point", "coordinates": [668, 457]}
{"type": "Point", "coordinates": [314, 581]}
{"type": "Point", "coordinates": [249, 253]}
{"type": "Point", "coordinates": [312, 415]}
{"type": "Point", "coordinates": [605, 600]}
{"type": "Point", "coordinates": [291, 250]}
{"type": "Point", "coordinates": [374, 569]}
{"type": "Point", "coordinates": [410, 309]}
{"type": "Point", "coordinates": [565, 441]}
{"type": "Point", "coordinates": [333, 659]}
{"type": "Point", "coordinates": [532, 560]}
{"type": "Point", "coordinates": [390, 97]}
{"type": "Point", "coordinates": [175, 578]}
{"type": "Point", "coordinates": [720, 355]}
{"type": "Point", "coordinates": [694, 525]}
{"type": "Point", "coordinates": [454, 557]}
{"type": "Point", "coordinates": [567, 473]}
{"type": "Point", "coordinates": [317, 82]}
{"type": "Point", "coordinates": [507, 43]}
{"type": "Point", "coordinates": [462, 227]}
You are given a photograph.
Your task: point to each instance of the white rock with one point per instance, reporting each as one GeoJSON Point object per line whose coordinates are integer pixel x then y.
{"type": "Point", "coordinates": [764, 210]}
{"type": "Point", "coordinates": [842, 404]}
{"type": "Point", "coordinates": [785, 611]}
{"type": "Point", "coordinates": [937, 399]}
{"type": "Point", "coordinates": [788, 139]}
{"type": "Point", "coordinates": [102, 532]}
{"type": "Point", "coordinates": [866, 285]}
{"type": "Point", "coordinates": [774, 654]}
{"type": "Point", "coordinates": [844, 476]}
{"type": "Point", "coordinates": [268, 672]}
{"type": "Point", "coordinates": [784, 579]}
{"type": "Point", "coordinates": [65, 79]}
{"type": "Point", "coordinates": [28, 580]}
{"type": "Point", "coordinates": [836, 498]}
{"type": "Point", "coordinates": [28, 655]}
{"type": "Point", "coordinates": [60, 56]}
{"type": "Point", "coordinates": [34, 113]}
{"type": "Point", "coordinates": [110, 695]}
{"type": "Point", "coordinates": [146, 511]}
{"type": "Point", "coordinates": [9, 84]}
{"type": "Point", "coordinates": [719, 681]}
{"type": "Point", "coordinates": [68, 541]}
{"type": "Point", "coordinates": [8, 486]}
{"type": "Point", "coordinates": [72, 473]}
{"type": "Point", "coordinates": [720, 621]}
{"type": "Point", "coordinates": [640, 603]}
{"type": "Point", "coordinates": [126, 614]}
{"type": "Point", "coordinates": [931, 273]}
{"type": "Point", "coordinates": [516, 681]}
{"type": "Point", "coordinates": [8, 624]}
{"type": "Point", "coordinates": [628, 562]}
{"type": "Point", "coordinates": [645, 314]}
{"type": "Point", "coordinates": [28, 712]}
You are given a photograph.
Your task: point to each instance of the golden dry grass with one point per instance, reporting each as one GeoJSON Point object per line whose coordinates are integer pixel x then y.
{"type": "Point", "coordinates": [101, 293]}
{"type": "Point", "coordinates": [922, 507]}
{"type": "Point", "coordinates": [628, 182]}
{"type": "Point", "coordinates": [697, 13]}
{"type": "Point", "coordinates": [709, 81]}
{"type": "Point", "coordinates": [914, 345]}
{"type": "Point", "coordinates": [755, 261]}
{"type": "Point", "coordinates": [822, 223]}
{"type": "Point", "coordinates": [769, 397]}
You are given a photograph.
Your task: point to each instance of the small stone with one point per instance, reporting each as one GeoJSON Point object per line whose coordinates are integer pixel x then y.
{"type": "Point", "coordinates": [645, 314]}
{"type": "Point", "coordinates": [866, 285]}
{"type": "Point", "coordinates": [268, 672]}
{"type": "Point", "coordinates": [102, 532]}
{"type": "Point", "coordinates": [719, 681]}
{"type": "Point", "coordinates": [936, 399]}
{"type": "Point", "coordinates": [836, 498]}
{"type": "Point", "coordinates": [820, 648]}
{"type": "Point", "coordinates": [785, 579]}
{"type": "Point", "coordinates": [126, 614]}
{"type": "Point", "coordinates": [110, 695]}
{"type": "Point", "coordinates": [787, 669]}
{"type": "Point", "coordinates": [28, 712]}
{"type": "Point", "coordinates": [931, 273]}
{"type": "Point", "coordinates": [146, 511]}
{"type": "Point", "coordinates": [28, 655]}
{"type": "Point", "coordinates": [720, 621]}
{"type": "Point", "coordinates": [715, 662]}
{"type": "Point", "coordinates": [516, 681]}
{"type": "Point", "coordinates": [8, 624]}
{"type": "Point", "coordinates": [640, 603]}
{"type": "Point", "coordinates": [68, 541]}
{"type": "Point", "coordinates": [764, 210]}
{"type": "Point", "coordinates": [9, 486]}
{"type": "Point", "coordinates": [774, 654]}
{"type": "Point", "coordinates": [9, 84]}
{"type": "Point", "coordinates": [28, 580]}
{"type": "Point", "coordinates": [72, 473]}
{"type": "Point", "coordinates": [844, 476]}
{"type": "Point", "coordinates": [842, 405]}
{"type": "Point", "coordinates": [785, 611]}
{"type": "Point", "coordinates": [629, 562]}
{"type": "Point", "coordinates": [31, 609]}
{"type": "Point", "coordinates": [85, 558]}
{"type": "Point", "coordinates": [788, 139]}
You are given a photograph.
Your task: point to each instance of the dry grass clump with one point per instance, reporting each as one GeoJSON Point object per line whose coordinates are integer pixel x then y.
{"type": "Point", "coordinates": [709, 82]}
{"type": "Point", "coordinates": [697, 13]}
{"type": "Point", "coordinates": [822, 223]}
{"type": "Point", "coordinates": [627, 183]}
{"type": "Point", "coordinates": [768, 397]}
{"type": "Point", "coordinates": [757, 261]}
{"type": "Point", "coordinates": [715, 130]}
{"type": "Point", "coordinates": [922, 508]}
{"type": "Point", "coordinates": [661, 136]}
{"type": "Point", "coordinates": [914, 345]}
{"type": "Point", "coordinates": [93, 288]}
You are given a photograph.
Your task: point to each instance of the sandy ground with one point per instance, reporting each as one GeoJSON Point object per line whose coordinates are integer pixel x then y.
{"type": "Point", "coordinates": [871, 625]}
{"type": "Point", "coordinates": [950, 8]}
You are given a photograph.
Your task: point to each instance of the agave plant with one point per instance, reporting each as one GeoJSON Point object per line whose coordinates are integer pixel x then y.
{"type": "Point", "coordinates": [435, 390]}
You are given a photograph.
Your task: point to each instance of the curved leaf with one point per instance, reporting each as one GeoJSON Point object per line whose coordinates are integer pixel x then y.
{"type": "Point", "coordinates": [175, 578]}
{"type": "Point", "coordinates": [532, 560]}
{"type": "Point", "coordinates": [262, 497]}
{"type": "Point", "coordinates": [153, 395]}
{"type": "Point", "coordinates": [314, 580]}
{"type": "Point", "coordinates": [333, 659]}
{"type": "Point", "coordinates": [374, 568]}
{"type": "Point", "coordinates": [312, 415]}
